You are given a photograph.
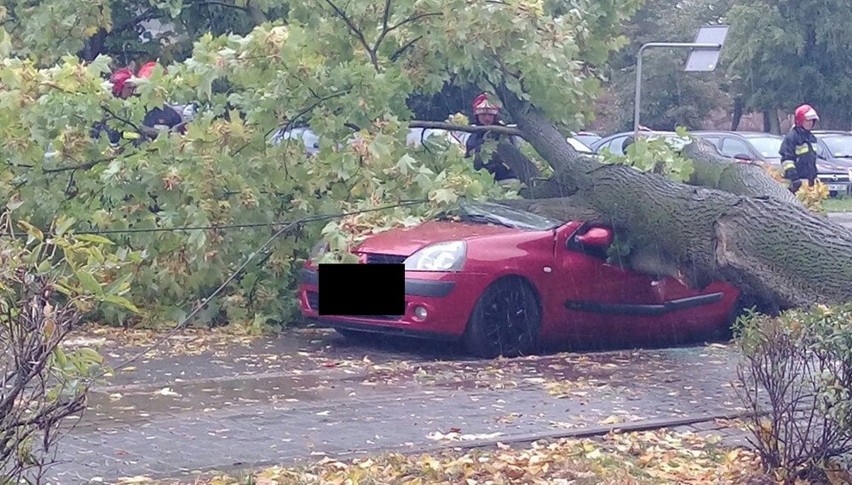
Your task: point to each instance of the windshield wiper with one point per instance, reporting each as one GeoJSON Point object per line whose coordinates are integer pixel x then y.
{"type": "Point", "coordinates": [485, 219]}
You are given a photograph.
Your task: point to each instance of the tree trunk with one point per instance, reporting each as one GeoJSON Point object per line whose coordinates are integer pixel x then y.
{"type": "Point", "coordinates": [737, 114]}
{"type": "Point", "coordinates": [771, 124]}
{"type": "Point", "coordinates": [743, 229]}
{"type": "Point", "coordinates": [257, 15]}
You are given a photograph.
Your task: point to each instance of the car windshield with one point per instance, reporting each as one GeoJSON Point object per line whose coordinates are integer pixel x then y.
{"type": "Point", "coordinates": [839, 145]}
{"type": "Point", "coordinates": [486, 212]}
{"type": "Point", "coordinates": [587, 139]}
{"type": "Point", "coordinates": [579, 146]}
{"type": "Point", "coordinates": [767, 146]}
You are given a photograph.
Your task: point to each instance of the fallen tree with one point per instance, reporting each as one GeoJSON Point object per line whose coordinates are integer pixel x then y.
{"type": "Point", "coordinates": [735, 223]}
{"type": "Point", "coordinates": [731, 221]}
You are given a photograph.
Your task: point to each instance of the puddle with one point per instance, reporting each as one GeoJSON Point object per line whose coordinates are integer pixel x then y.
{"type": "Point", "coordinates": [137, 405]}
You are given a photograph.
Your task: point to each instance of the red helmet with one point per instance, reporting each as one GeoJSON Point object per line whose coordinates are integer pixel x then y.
{"type": "Point", "coordinates": [481, 105]}
{"type": "Point", "coordinates": [119, 78]}
{"type": "Point", "coordinates": [147, 69]}
{"type": "Point", "coordinates": [805, 112]}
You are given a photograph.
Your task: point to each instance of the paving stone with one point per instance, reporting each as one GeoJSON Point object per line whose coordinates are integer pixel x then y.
{"type": "Point", "coordinates": [404, 415]}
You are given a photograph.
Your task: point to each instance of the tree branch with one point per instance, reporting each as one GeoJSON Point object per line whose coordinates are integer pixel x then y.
{"type": "Point", "coordinates": [384, 26]}
{"type": "Point", "coordinates": [154, 13]}
{"type": "Point", "coordinates": [221, 4]}
{"type": "Point", "coordinates": [301, 113]}
{"type": "Point", "coordinates": [440, 125]}
{"type": "Point", "coordinates": [412, 19]}
{"type": "Point", "coordinates": [386, 30]}
{"type": "Point", "coordinates": [81, 166]}
{"type": "Point", "coordinates": [141, 129]}
{"type": "Point", "coordinates": [399, 52]}
{"type": "Point", "coordinates": [358, 34]}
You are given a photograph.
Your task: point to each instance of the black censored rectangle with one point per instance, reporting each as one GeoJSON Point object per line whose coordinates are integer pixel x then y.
{"type": "Point", "coordinates": [362, 289]}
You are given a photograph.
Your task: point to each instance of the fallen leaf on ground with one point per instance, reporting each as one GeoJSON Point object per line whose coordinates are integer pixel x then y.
{"type": "Point", "coordinates": [647, 458]}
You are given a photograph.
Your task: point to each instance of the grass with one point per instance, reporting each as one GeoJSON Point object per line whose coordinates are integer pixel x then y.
{"type": "Point", "coordinates": [836, 204]}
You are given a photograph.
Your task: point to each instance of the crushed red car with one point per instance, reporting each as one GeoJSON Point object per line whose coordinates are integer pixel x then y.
{"type": "Point", "coordinates": [509, 282]}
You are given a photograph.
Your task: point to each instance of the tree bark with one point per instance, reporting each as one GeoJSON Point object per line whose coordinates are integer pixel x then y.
{"type": "Point", "coordinates": [742, 229]}
{"type": "Point", "coordinates": [737, 114]}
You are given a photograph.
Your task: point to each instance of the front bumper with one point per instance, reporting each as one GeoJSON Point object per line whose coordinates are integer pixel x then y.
{"type": "Point", "coordinates": [447, 298]}
{"type": "Point", "coordinates": [836, 183]}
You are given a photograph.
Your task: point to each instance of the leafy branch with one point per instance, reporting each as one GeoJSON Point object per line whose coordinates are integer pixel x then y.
{"type": "Point", "coordinates": [440, 125]}
{"type": "Point", "coordinates": [355, 31]}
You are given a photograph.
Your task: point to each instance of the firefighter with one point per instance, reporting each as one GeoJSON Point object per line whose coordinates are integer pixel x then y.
{"type": "Point", "coordinates": [798, 153]}
{"type": "Point", "coordinates": [487, 114]}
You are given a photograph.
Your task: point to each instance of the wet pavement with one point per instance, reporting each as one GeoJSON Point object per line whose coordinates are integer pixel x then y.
{"type": "Point", "coordinates": [311, 393]}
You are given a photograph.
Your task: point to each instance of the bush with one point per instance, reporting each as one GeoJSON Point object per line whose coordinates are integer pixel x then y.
{"type": "Point", "coordinates": [797, 368]}
{"type": "Point", "coordinates": [47, 286]}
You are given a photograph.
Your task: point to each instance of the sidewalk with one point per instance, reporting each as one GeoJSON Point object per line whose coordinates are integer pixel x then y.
{"type": "Point", "coordinates": [327, 397]}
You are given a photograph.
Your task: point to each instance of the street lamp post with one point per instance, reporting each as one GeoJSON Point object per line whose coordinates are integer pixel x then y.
{"type": "Point", "coordinates": [704, 57]}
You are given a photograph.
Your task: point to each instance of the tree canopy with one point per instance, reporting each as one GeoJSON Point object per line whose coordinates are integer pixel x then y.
{"type": "Point", "coordinates": [195, 205]}
{"type": "Point", "coordinates": [347, 70]}
{"type": "Point", "coordinates": [782, 54]}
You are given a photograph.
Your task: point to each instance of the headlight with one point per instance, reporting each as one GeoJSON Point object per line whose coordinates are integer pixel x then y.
{"type": "Point", "coordinates": [445, 256]}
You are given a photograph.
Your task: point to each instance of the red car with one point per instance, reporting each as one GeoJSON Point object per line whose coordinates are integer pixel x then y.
{"type": "Point", "coordinates": [508, 282]}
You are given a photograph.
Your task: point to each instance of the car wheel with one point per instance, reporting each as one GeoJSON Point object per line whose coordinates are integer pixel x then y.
{"type": "Point", "coordinates": [505, 321]}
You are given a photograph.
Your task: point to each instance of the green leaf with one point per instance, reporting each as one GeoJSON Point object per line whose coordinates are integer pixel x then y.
{"type": "Point", "coordinates": [95, 239]}
{"type": "Point", "coordinates": [121, 302]}
{"type": "Point", "coordinates": [63, 224]}
{"type": "Point", "coordinates": [60, 356]}
{"type": "Point", "coordinates": [89, 283]}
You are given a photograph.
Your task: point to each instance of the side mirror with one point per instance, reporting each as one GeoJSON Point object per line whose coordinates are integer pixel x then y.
{"type": "Point", "coordinates": [743, 156]}
{"type": "Point", "coordinates": [598, 237]}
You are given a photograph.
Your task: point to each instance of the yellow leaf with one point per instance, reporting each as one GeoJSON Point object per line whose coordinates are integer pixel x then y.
{"type": "Point", "coordinates": [613, 419]}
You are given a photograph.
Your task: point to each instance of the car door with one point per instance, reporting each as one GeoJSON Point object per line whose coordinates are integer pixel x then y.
{"type": "Point", "coordinates": [687, 311]}
{"type": "Point", "coordinates": [598, 298]}
{"type": "Point", "coordinates": [735, 147]}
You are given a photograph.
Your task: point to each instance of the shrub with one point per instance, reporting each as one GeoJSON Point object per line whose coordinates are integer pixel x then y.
{"type": "Point", "coordinates": [47, 286]}
{"type": "Point", "coordinates": [797, 368]}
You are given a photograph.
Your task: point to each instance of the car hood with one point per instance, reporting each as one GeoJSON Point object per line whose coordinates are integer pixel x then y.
{"type": "Point", "coordinates": [841, 163]}
{"type": "Point", "coordinates": [406, 241]}
{"type": "Point", "coordinates": [836, 165]}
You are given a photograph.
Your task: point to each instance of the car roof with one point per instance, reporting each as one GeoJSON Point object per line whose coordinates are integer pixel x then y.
{"type": "Point", "coordinates": [744, 134]}
{"type": "Point", "coordinates": [641, 132]}
{"type": "Point", "coordinates": [831, 132]}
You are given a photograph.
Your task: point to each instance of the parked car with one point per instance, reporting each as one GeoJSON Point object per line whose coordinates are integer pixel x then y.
{"type": "Point", "coordinates": [415, 137]}
{"type": "Point", "coordinates": [308, 137]}
{"type": "Point", "coordinates": [615, 142]}
{"type": "Point", "coordinates": [764, 148]}
{"type": "Point", "coordinates": [580, 146]}
{"type": "Point", "coordinates": [586, 137]}
{"type": "Point", "coordinates": [574, 141]}
{"type": "Point", "coordinates": [835, 150]}
{"type": "Point", "coordinates": [746, 145]}
{"type": "Point", "coordinates": [506, 282]}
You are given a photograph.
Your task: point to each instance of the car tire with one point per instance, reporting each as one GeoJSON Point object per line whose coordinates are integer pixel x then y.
{"type": "Point", "coordinates": [505, 321]}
